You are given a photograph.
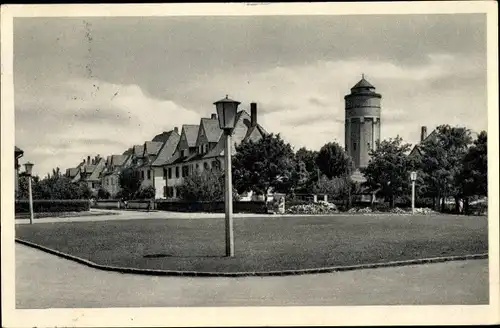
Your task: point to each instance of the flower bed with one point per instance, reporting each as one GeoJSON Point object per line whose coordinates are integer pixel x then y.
{"type": "Point", "coordinates": [313, 208]}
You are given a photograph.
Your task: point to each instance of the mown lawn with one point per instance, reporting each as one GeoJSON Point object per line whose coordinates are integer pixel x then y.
{"type": "Point", "coordinates": [262, 244]}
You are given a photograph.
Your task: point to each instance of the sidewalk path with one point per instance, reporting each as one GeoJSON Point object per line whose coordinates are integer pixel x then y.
{"type": "Point", "coordinates": [47, 281]}
{"type": "Point", "coordinates": [133, 215]}
{"type": "Point", "coordinates": [137, 214]}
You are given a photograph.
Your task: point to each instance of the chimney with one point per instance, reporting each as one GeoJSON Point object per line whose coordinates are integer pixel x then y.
{"type": "Point", "coordinates": [253, 114]}
{"type": "Point", "coordinates": [176, 129]}
{"type": "Point", "coordinates": [423, 133]}
{"type": "Point", "coordinates": [88, 160]}
{"type": "Point", "coordinates": [214, 116]}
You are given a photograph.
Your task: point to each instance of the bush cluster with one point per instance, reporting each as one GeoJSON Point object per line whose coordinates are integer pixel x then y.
{"type": "Point", "coordinates": [313, 208]}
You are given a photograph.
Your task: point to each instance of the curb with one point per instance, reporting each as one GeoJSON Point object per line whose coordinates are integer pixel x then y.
{"type": "Point", "coordinates": [158, 272]}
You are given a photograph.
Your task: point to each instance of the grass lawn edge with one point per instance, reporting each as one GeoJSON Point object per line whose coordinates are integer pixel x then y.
{"type": "Point", "coordinates": [158, 272]}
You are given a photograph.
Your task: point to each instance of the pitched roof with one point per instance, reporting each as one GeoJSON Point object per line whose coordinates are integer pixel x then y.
{"type": "Point", "coordinates": [151, 148]}
{"type": "Point", "coordinates": [417, 149]}
{"type": "Point", "coordinates": [257, 127]}
{"type": "Point", "coordinates": [72, 172]}
{"type": "Point", "coordinates": [138, 150]}
{"type": "Point", "coordinates": [89, 168]}
{"type": "Point", "coordinates": [118, 160]}
{"type": "Point", "coordinates": [129, 151]}
{"type": "Point", "coordinates": [218, 150]}
{"type": "Point", "coordinates": [163, 137]}
{"type": "Point", "coordinates": [211, 128]}
{"type": "Point", "coordinates": [18, 150]}
{"type": "Point", "coordinates": [363, 84]}
{"type": "Point", "coordinates": [193, 157]}
{"type": "Point", "coordinates": [168, 149]}
{"type": "Point", "coordinates": [98, 168]}
{"type": "Point", "coordinates": [191, 132]}
{"type": "Point", "coordinates": [77, 177]}
{"type": "Point", "coordinates": [176, 159]}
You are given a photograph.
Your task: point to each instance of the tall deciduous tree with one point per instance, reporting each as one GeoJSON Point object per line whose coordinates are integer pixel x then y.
{"type": "Point", "coordinates": [306, 160]}
{"type": "Point", "coordinates": [55, 186]}
{"type": "Point", "coordinates": [474, 174]}
{"type": "Point", "coordinates": [130, 183]}
{"type": "Point", "coordinates": [208, 186]}
{"type": "Point", "coordinates": [333, 161]}
{"type": "Point", "coordinates": [442, 161]}
{"type": "Point", "coordinates": [267, 163]}
{"type": "Point", "coordinates": [387, 173]}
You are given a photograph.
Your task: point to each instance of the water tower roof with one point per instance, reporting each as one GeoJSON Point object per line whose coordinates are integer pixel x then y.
{"type": "Point", "coordinates": [363, 84]}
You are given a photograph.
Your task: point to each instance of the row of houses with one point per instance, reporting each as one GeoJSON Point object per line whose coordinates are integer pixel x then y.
{"type": "Point", "coordinates": [170, 156]}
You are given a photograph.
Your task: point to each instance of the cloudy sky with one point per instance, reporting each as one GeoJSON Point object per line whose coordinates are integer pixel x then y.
{"type": "Point", "coordinates": [87, 86]}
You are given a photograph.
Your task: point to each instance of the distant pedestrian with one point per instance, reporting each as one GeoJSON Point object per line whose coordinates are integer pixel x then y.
{"type": "Point", "coordinates": [460, 206]}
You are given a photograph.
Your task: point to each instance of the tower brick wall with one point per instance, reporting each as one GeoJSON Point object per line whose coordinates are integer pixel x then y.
{"type": "Point", "coordinates": [362, 122]}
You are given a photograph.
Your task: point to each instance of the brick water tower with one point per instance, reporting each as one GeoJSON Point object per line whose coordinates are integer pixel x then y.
{"type": "Point", "coordinates": [362, 122]}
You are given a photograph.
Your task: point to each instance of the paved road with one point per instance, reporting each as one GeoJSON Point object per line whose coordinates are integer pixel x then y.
{"type": "Point", "coordinates": [47, 281]}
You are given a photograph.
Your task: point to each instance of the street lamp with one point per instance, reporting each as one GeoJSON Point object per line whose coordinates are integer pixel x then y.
{"type": "Point", "coordinates": [226, 113]}
{"type": "Point", "coordinates": [413, 177]}
{"type": "Point", "coordinates": [29, 169]}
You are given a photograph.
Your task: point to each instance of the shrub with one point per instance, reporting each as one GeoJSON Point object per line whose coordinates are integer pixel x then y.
{"type": "Point", "coordinates": [53, 205]}
{"type": "Point", "coordinates": [146, 193]}
{"type": "Point", "coordinates": [207, 185]}
{"type": "Point", "coordinates": [103, 194]}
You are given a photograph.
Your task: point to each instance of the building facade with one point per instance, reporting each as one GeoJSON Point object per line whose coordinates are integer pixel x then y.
{"type": "Point", "coordinates": [201, 147]}
{"type": "Point", "coordinates": [362, 122]}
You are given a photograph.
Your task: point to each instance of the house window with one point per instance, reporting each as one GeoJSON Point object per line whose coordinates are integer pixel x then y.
{"type": "Point", "coordinates": [142, 175]}
{"type": "Point", "coordinates": [215, 164]}
{"type": "Point", "coordinates": [368, 144]}
{"type": "Point", "coordinates": [170, 173]}
{"type": "Point", "coordinates": [205, 166]}
{"type": "Point", "coordinates": [354, 146]}
{"type": "Point", "coordinates": [149, 174]}
{"type": "Point", "coordinates": [185, 171]}
{"type": "Point", "coordinates": [197, 166]}
{"type": "Point", "coordinates": [176, 171]}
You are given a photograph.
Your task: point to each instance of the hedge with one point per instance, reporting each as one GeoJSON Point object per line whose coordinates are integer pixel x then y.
{"type": "Point", "coordinates": [53, 205]}
{"type": "Point", "coordinates": [214, 207]}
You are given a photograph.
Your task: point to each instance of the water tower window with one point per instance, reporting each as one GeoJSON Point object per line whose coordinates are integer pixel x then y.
{"type": "Point", "coordinates": [354, 146]}
{"type": "Point", "coordinates": [368, 144]}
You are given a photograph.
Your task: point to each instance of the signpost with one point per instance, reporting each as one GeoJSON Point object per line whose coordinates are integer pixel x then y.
{"type": "Point", "coordinates": [413, 177]}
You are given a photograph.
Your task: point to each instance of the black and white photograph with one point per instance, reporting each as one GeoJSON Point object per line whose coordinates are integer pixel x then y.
{"type": "Point", "coordinates": [321, 163]}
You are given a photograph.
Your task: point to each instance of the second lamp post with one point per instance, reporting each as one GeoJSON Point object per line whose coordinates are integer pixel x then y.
{"type": "Point", "coordinates": [226, 113]}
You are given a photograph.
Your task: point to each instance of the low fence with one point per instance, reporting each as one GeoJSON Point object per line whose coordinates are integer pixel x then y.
{"type": "Point", "coordinates": [108, 204]}
{"type": "Point", "coordinates": [52, 205]}
{"type": "Point", "coordinates": [113, 204]}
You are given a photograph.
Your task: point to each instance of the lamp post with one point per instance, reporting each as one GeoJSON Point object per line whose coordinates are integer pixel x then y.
{"type": "Point", "coordinates": [29, 168]}
{"type": "Point", "coordinates": [226, 113]}
{"type": "Point", "coordinates": [413, 177]}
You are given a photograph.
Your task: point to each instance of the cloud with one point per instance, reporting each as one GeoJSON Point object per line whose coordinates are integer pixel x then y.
{"type": "Point", "coordinates": [86, 117]}
{"type": "Point", "coordinates": [305, 103]}
{"type": "Point", "coordinates": [76, 96]}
